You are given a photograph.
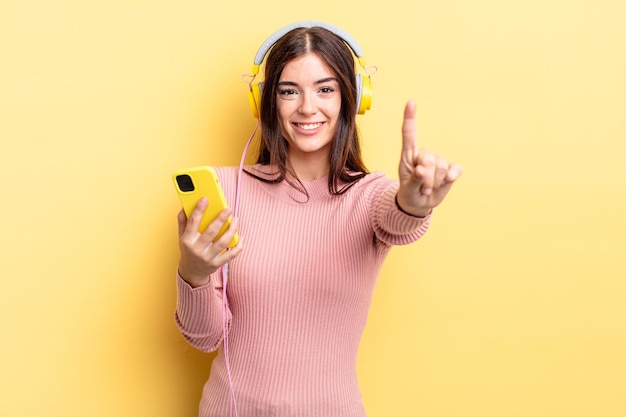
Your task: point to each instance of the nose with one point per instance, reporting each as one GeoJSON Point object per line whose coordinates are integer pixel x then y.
{"type": "Point", "coordinates": [307, 103]}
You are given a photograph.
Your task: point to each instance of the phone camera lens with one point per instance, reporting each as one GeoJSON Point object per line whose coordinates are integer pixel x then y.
{"type": "Point", "coordinates": [185, 183]}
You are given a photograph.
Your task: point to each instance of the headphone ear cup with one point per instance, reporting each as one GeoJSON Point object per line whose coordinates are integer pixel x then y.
{"type": "Point", "coordinates": [364, 93]}
{"type": "Point", "coordinates": [254, 96]}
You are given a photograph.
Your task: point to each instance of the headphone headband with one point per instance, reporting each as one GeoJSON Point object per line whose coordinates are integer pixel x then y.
{"type": "Point", "coordinates": [274, 37]}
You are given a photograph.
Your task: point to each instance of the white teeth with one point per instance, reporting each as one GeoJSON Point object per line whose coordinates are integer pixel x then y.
{"type": "Point", "coordinates": [309, 126]}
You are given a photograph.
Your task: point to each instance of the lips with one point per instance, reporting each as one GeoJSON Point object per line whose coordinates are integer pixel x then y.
{"type": "Point", "coordinates": [308, 127]}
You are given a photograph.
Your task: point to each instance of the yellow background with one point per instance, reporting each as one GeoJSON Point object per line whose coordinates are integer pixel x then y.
{"type": "Point", "coordinates": [514, 304]}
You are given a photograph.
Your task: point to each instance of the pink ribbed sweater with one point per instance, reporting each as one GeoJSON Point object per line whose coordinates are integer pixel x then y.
{"type": "Point", "coordinates": [299, 296]}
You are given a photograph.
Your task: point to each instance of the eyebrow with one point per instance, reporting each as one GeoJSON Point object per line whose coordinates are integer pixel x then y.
{"type": "Point", "coordinates": [322, 81]}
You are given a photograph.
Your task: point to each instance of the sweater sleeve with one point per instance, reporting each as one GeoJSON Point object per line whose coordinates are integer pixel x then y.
{"type": "Point", "coordinates": [393, 226]}
{"type": "Point", "coordinates": [200, 312]}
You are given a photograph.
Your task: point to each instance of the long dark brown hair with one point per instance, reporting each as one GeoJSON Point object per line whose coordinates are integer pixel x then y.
{"type": "Point", "coordinates": [346, 164]}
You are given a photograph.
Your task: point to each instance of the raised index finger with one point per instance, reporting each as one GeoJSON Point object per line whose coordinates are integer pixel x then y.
{"type": "Point", "coordinates": [409, 128]}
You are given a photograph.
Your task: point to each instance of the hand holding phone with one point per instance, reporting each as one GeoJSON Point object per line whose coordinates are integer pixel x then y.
{"type": "Point", "coordinates": [194, 183]}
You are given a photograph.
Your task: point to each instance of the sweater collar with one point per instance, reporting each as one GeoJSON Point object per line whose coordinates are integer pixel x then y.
{"type": "Point", "coordinates": [293, 190]}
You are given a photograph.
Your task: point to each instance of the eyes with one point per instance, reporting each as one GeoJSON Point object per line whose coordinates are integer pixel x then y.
{"type": "Point", "coordinates": [293, 92]}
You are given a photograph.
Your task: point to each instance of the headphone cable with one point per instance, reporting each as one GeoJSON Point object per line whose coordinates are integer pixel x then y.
{"type": "Point", "coordinates": [225, 276]}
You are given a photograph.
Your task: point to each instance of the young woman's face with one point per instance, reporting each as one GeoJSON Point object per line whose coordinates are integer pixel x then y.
{"type": "Point", "coordinates": [309, 101]}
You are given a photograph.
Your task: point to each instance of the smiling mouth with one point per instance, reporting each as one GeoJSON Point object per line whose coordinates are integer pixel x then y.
{"type": "Point", "coordinates": [308, 126]}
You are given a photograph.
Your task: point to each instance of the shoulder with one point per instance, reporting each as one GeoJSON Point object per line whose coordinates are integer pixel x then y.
{"type": "Point", "coordinates": [374, 181]}
{"type": "Point", "coordinates": [227, 175]}
{"type": "Point", "coordinates": [226, 171]}
{"type": "Point", "coordinates": [372, 189]}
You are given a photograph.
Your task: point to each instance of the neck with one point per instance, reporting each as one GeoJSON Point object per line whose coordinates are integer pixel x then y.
{"type": "Point", "coordinates": [309, 169]}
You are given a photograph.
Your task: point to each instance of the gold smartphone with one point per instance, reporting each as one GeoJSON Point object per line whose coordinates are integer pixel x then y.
{"type": "Point", "coordinates": [194, 183]}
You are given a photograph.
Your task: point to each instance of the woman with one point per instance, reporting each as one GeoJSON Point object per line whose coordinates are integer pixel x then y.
{"type": "Point", "coordinates": [315, 228]}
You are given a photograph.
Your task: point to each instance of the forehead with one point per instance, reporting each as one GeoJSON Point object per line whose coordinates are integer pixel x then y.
{"type": "Point", "coordinates": [309, 65]}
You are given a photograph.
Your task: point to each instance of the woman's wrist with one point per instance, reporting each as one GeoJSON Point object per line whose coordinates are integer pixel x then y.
{"type": "Point", "coordinates": [193, 281]}
{"type": "Point", "coordinates": [418, 213]}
